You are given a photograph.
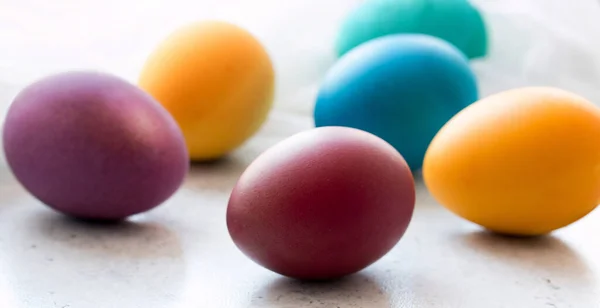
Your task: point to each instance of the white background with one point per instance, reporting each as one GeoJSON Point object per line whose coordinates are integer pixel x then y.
{"type": "Point", "coordinates": [533, 42]}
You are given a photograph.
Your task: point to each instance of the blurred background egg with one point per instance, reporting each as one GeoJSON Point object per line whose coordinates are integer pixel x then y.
{"type": "Point", "coordinates": [217, 81]}
{"type": "Point", "coordinates": [456, 21]}
{"type": "Point", "coordinates": [521, 162]}
{"type": "Point", "coordinates": [322, 204]}
{"type": "Point", "coordinates": [93, 146]}
{"type": "Point", "coordinates": [402, 88]}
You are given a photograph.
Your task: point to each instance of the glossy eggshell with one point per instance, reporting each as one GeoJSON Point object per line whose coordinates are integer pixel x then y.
{"type": "Point", "coordinates": [322, 204]}
{"type": "Point", "coordinates": [455, 21]}
{"type": "Point", "coordinates": [93, 146]}
{"type": "Point", "coordinates": [402, 88]}
{"type": "Point", "coordinates": [522, 162]}
{"type": "Point", "coordinates": [217, 81]}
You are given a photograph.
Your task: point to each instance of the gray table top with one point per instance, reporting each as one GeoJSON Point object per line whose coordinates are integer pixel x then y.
{"type": "Point", "coordinates": [180, 255]}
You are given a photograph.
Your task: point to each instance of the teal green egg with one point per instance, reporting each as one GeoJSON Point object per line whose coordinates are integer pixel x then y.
{"type": "Point", "coordinates": [456, 21]}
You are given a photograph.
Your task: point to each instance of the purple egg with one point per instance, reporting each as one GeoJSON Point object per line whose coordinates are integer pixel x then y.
{"type": "Point", "coordinates": [93, 146]}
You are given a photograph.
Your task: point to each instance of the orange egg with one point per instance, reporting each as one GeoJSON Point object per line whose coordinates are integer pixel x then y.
{"type": "Point", "coordinates": [521, 162]}
{"type": "Point", "coordinates": [216, 80]}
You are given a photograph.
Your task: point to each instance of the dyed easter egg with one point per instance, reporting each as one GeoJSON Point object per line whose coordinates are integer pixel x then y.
{"type": "Point", "coordinates": [402, 88]}
{"type": "Point", "coordinates": [217, 81]}
{"type": "Point", "coordinates": [93, 146]}
{"type": "Point", "coordinates": [522, 162]}
{"type": "Point", "coordinates": [322, 204]}
{"type": "Point", "coordinates": [455, 21]}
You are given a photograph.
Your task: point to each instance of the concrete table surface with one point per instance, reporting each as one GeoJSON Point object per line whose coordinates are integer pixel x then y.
{"type": "Point", "coordinates": [180, 254]}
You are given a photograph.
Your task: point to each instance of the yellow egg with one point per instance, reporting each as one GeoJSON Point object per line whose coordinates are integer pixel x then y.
{"type": "Point", "coordinates": [216, 80]}
{"type": "Point", "coordinates": [523, 162]}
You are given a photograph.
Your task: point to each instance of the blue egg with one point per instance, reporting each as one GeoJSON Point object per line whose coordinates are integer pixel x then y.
{"type": "Point", "coordinates": [402, 88]}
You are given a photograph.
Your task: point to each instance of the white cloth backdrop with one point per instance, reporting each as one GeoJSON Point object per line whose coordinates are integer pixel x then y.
{"type": "Point", "coordinates": [533, 42]}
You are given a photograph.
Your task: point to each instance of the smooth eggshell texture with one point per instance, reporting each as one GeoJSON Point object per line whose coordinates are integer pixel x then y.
{"type": "Point", "coordinates": [456, 21]}
{"type": "Point", "coordinates": [93, 146]}
{"type": "Point", "coordinates": [522, 162]}
{"type": "Point", "coordinates": [322, 204]}
{"type": "Point", "coordinates": [402, 88]}
{"type": "Point", "coordinates": [217, 81]}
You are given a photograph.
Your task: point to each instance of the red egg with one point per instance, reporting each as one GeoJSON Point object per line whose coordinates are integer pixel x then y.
{"type": "Point", "coordinates": [322, 204]}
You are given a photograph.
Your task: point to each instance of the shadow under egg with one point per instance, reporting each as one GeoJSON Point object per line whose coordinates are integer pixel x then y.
{"type": "Point", "coordinates": [543, 253]}
{"type": "Point", "coordinates": [215, 175]}
{"type": "Point", "coordinates": [127, 238]}
{"type": "Point", "coordinates": [358, 290]}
